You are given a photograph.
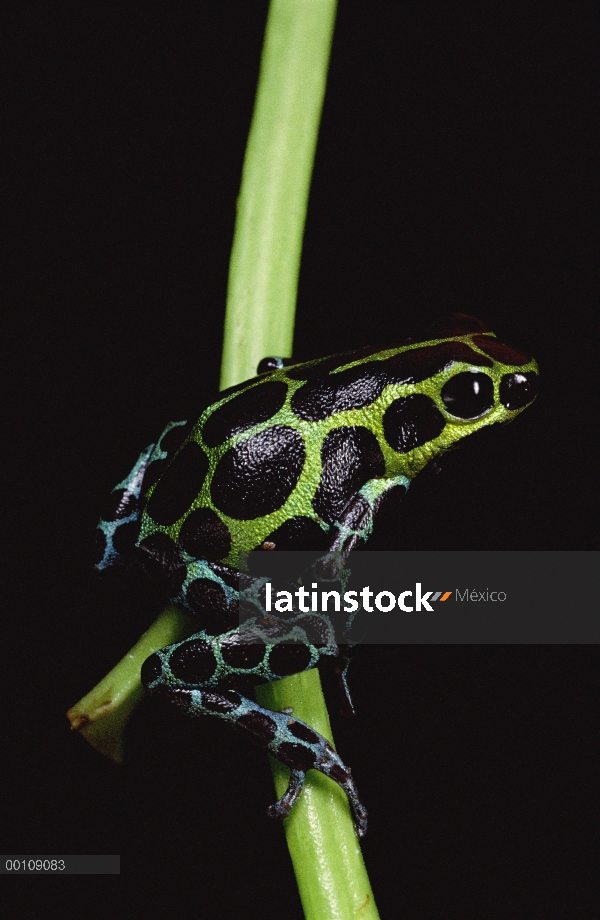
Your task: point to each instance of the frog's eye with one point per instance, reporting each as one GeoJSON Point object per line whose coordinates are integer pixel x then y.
{"type": "Point", "coordinates": [468, 395]}
{"type": "Point", "coordinates": [517, 390]}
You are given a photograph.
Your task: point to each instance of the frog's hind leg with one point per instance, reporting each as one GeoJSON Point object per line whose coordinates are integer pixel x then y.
{"type": "Point", "coordinates": [194, 675]}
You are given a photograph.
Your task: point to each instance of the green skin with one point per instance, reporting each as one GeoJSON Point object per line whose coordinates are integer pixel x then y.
{"type": "Point", "coordinates": [316, 448]}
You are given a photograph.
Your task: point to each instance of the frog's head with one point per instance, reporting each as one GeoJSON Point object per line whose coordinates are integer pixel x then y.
{"type": "Point", "coordinates": [472, 380]}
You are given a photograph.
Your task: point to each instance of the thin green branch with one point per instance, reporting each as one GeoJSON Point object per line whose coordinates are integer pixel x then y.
{"type": "Point", "coordinates": [271, 207]}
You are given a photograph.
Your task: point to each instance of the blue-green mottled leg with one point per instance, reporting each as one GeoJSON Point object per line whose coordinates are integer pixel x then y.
{"type": "Point", "coordinates": [118, 527]}
{"type": "Point", "coordinates": [116, 531]}
{"type": "Point", "coordinates": [191, 675]}
{"type": "Point", "coordinates": [288, 739]}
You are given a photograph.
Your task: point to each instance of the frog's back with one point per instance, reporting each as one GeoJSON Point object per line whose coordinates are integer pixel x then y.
{"type": "Point", "coordinates": [276, 459]}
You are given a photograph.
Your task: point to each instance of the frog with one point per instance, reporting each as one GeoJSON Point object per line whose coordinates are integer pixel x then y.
{"type": "Point", "coordinates": [303, 456]}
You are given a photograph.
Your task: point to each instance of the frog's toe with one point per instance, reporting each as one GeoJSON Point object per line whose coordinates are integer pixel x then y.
{"type": "Point", "coordinates": [283, 807]}
{"type": "Point", "coordinates": [331, 765]}
{"type": "Point", "coordinates": [360, 820]}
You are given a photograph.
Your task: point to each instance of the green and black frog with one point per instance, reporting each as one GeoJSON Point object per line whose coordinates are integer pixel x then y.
{"type": "Point", "coordinates": [300, 457]}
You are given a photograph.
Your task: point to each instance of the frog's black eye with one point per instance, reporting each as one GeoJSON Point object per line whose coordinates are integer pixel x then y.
{"type": "Point", "coordinates": [468, 395]}
{"type": "Point", "coordinates": [518, 390]}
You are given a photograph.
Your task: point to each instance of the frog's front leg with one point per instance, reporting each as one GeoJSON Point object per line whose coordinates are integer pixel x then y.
{"type": "Point", "coordinates": [191, 675]}
{"type": "Point", "coordinates": [118, 528]}
{"type": "Point", "coordinates": [355, 524]}
{"type": "Point", "coordinates": [353, 527]}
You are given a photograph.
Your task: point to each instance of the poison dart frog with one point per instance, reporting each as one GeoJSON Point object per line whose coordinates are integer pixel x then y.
{"type": "Point", "coordinates": [300, 457]}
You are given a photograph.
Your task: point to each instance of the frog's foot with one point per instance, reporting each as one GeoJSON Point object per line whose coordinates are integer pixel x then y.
{"type": "Point", "coordinates": [309, 750]}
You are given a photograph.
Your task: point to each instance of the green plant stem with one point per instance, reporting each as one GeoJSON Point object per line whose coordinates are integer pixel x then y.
{"type": "Point", "coordinates": [102, 714]}
{"type": "Point", "coordinates": [271, 207]}
{"type": "Point", "coordinates": [263, 280]}
{"type": "Point", "coordinates": [330, 871]}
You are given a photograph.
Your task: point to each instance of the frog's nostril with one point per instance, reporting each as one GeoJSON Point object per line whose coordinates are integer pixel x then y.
{"type": "Point", "coordinates": [518, 390]}
{"type": "Point", "coordinates": [151, 670]}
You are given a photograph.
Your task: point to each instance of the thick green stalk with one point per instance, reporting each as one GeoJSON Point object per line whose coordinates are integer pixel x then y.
{"type": "Point", "coordinates": [261, 301]}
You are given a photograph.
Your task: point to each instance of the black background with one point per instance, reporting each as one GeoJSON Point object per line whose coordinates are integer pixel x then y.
{"type": "Point", "coordinates": [456, 170]}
